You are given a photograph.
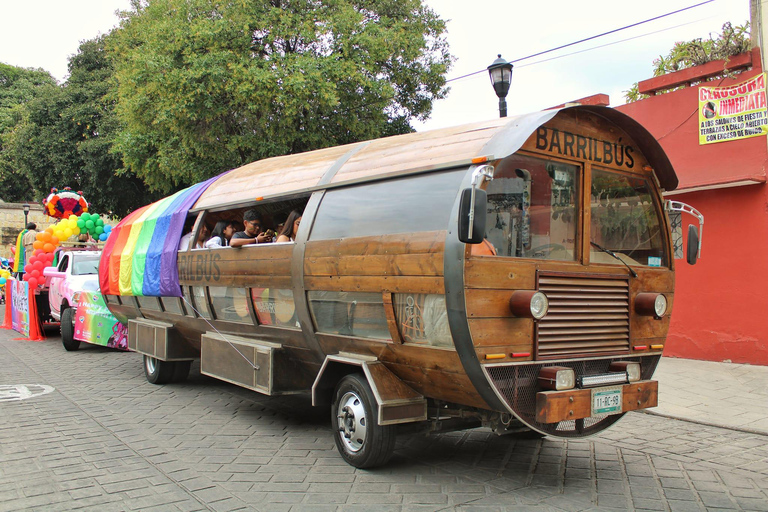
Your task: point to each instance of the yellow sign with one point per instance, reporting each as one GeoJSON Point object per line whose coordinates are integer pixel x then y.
{"type": "Point", "coordinates": [731, 113]}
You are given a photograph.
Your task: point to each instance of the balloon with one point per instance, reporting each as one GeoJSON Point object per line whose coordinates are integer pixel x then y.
{"type": "Point", "coordinates": [85, 216]}
{"type": "Point", "coordinates": [72, 218]}
{"type": "Point", "coordinates": [89, 224]}
{"type": "Point", "coordinates": [37, 265]}
{"type": "Point", "coordinates": [35, 273]}
{"type": "Point", "coordinates": [13, 250]}
{"type": "Point", "coordinates": [99, 222]}
{"type": "Point", "coordinates": [32, 282]}
{"type": "Point", "coordinates": [107, 228]}
{"type": "Point", "coordinates": [37, 244]}
{"type": "Point", "coordinates": [98, 230]}
{"type": "Point", "coordinates": [103, 237]}
{"type": "Point", "coordinates": [46, 236]}
{"type": "Point", "coordinates": [81, 223]}
{"type": "Point", "coordinates": [55, 240]}
{"type": "Point", "coordinates": [49, 247]}
{"type": "Point", "coordinates": [2, 281]}
{"type": "Point", "coordinates": [39, 236]}
{"type": "Point", "coordinates": [72, 223]}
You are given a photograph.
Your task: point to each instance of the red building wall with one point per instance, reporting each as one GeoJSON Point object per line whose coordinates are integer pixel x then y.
{"type": "Point", "coordinates": [721, 304]}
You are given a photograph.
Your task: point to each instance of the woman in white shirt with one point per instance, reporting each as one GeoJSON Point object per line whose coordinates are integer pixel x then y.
{"type": "Point", "coordinates": [221, 234]}
{"type": "Point", "coordinates": [290, 228]}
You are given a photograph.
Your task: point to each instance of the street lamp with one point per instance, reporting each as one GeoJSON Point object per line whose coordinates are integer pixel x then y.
{"type": "Point", "coordinates": [501, 76]}
{"type": "Point", "coordinates": [26, 212]}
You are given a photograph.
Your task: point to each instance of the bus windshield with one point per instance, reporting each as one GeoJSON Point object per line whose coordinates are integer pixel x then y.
{"type": "Point", "coordinates": [625, 221]}
{"type": "Point", "coordinates": [532, 209]}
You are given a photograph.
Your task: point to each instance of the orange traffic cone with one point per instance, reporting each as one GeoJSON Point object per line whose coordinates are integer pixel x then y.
{"type": "Point", "coordinates": [35, 325]}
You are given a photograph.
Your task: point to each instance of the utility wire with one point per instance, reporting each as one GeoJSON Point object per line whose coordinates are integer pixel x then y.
{"type": "Point", "coordinates": [588, 38]}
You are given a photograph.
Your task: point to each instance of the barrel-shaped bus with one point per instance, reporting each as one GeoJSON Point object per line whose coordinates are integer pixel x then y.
{"type": "Point", "coordinates": [516, 274]}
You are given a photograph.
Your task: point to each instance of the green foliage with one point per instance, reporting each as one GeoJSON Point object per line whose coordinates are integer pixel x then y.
{"type": "Point", "coordinates": [18, 86]}
{"type": "Point", "coordinates": [66, 137]}
{"type": "Point", "coordinates": [732, 41]}
{"type": "Point", "coordinates": [208, 85]}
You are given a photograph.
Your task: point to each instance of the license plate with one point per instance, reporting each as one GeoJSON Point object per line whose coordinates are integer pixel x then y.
{"type": "Point", "coordinates": [606, 401]}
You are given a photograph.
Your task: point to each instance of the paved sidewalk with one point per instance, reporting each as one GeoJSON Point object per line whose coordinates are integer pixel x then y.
{"type": "Point", "coordinates": [719, 394]}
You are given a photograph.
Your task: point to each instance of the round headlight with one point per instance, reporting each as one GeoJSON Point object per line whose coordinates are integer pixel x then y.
{"type": "Point", "coordinates": [540, 305]}
{"type": "Point", "coordinates": [660, 305]}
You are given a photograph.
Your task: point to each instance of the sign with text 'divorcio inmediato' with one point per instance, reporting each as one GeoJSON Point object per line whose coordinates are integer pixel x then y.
{"type": "Point", "coordinates": [734, 112]}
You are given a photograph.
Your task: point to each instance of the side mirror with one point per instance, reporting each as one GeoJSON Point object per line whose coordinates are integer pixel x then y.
{"type": "Point", "coordinates": [692, 251]}
{"type": "Point", "coordinates": [472, 213]}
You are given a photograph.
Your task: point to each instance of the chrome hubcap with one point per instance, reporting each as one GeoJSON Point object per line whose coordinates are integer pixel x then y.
{"type": "Point", "coordinates": [352, 421]}
{"type": "Point", "coordinates": [151, 364]}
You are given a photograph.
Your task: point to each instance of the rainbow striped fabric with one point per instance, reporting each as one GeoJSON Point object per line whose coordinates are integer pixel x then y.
{"type": "Point", "coordinates": [139, 257]}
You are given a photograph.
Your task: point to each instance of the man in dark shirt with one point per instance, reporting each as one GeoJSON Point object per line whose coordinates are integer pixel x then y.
{"type": "Point", "coordinates": [252, 234]}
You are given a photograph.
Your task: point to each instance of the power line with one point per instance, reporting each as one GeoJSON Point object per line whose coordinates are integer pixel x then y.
{"type": "Point", "coordinates": [589, 38]}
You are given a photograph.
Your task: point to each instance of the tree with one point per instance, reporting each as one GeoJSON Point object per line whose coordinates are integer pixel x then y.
{"type": "Point", "coordinates": [18, 86]}
{"type": "Point", "coordinates": [67, 135]}
{"type": "Point", "coordinates": [732, 41]}
{"type": "Point", "coordinates": [208, 85]}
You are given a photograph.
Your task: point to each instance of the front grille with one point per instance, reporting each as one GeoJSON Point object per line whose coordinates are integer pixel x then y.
{"type": "Point", "coordinates": [588, 316]}
{"type": "Point", "coordinates": [518, 385]}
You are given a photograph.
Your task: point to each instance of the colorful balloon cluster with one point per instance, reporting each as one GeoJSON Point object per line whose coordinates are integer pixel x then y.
{"type": "Point", "coordinates": [5, 271]}
{"type": "Point", "coordinates": [64, 203]}
{"type": "Point", "coordinates": [47, 241]}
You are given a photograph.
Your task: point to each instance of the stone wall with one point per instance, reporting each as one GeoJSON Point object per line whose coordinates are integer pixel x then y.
{"type": "Point", "coordinates": [12, 222]}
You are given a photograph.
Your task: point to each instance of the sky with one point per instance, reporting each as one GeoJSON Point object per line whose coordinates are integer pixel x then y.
{"type": "Point", "coordinates": [45, 33]}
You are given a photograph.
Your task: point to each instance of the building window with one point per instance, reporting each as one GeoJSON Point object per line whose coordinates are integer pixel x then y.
{"type": "Point", "coordinates": [148, 303]}
{"type": "Point", "coordinates": [275, 306]}
{"type": "Point", "coordinates": [418, 203]}
{"type": "Point", "coordinates": [172, 305]}
{"type": "Point", "coordinates": [230, 304]}
{"type": "Point", "coordinates": [201, 302]}
{"type": "Point", "coordinates": [423, 319]}
{"type": "Point", "coordinates": [358, 314]}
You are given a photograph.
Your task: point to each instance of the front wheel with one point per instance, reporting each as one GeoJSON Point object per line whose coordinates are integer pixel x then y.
{"type": "Point", "coordinates": [361, 441]}
{"type": "Point", "coordinates": [158, 372]}
{"type": "Point", "coordinates": [68, 330]}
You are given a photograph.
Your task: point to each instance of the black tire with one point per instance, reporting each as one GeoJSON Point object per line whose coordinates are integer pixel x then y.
{"type": "Point", "coordinates": [353, 412]}
{"type": "Point", "coordinates": [68, 330]}
{"type": "Point", "coordinates": [181, 372]}
{"type": "Point", "coordinates": [158, 372]}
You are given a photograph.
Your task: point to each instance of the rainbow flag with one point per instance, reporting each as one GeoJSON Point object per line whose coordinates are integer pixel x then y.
{"type": "Point", "coordinates": [139, 257]}
{"type": "Point", "coordinates": [18, 260]}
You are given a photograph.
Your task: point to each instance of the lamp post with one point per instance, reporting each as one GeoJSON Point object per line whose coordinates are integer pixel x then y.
{"type": "Point", "coordinates": [26, 212]}
{"type": "Point", "coordinates": [500, 72]}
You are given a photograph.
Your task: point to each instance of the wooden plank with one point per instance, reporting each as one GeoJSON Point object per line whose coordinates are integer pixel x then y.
{"type": "Point", "coordinates": [389, 311]}
{"type": "Point", "coordinates": [554, 406]}
{"type": "Point", "coordinates": [514, 334]}
{"type": "Point", "coordinates": [492, 272]}
{"type": "Point", "coordinates": [376, 265]}
{"type": "Point", "coordinates": [486, 303]}
{"type": "Point", "coordinates": [392, 284]}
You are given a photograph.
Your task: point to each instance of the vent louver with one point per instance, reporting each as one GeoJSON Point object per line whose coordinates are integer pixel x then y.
{"type": "Point", "coordinates": [587, 316]}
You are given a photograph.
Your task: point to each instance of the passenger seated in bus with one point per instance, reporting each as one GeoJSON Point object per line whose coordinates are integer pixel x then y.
{"type": "Point", "coordinates": [221, 234]}
{"type": "Point", "coordinates": [290, 228]}
{"type": "Point", "coordinates": [201, 238]}
{"type": "Point", "coordinates": [252, 233]}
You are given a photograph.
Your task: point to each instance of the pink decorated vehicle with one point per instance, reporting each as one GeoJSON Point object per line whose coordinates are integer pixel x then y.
{"type": "Point", "coordinates": [77, 272]}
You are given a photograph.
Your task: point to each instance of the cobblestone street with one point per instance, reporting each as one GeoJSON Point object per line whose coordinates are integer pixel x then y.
{"type": "Point", "coordinates": [103, 438]}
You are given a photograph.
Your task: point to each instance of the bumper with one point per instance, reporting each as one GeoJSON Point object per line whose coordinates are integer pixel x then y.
{"type": "Point", "coordinates": [574, 404]}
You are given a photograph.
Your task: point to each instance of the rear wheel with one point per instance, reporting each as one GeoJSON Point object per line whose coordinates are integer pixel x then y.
{"type": "Point", "coordinates": [181, 372]}
{"type": "Point", "coordinates": [158, 372]}
{"type": "Point", "coordinates": [361, 441]}
{"type": "Point", "coordinates": [68, 330]}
